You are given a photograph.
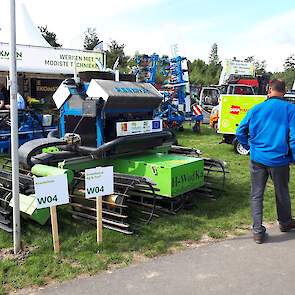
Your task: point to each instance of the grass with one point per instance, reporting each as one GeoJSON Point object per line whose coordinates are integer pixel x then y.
{"type": "Point", "coordinates": [80, 253]}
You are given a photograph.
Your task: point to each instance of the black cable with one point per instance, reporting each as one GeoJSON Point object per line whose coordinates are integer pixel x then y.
{"type": "Point", "coordinates": [78, 124]}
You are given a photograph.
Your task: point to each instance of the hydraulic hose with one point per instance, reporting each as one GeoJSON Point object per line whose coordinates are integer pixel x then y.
{"type": "Point", "coordinates": [33, 147]}
{"type": "Point", "coordinates": [164, 135]}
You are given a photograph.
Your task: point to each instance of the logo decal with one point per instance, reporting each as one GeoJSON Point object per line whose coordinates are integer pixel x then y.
{"type": "Point", "coordinates": [235, 110]}
{"type": "Point", "coordinates": [156, 124]}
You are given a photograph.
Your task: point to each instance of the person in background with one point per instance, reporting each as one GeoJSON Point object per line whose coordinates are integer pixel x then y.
{"type": "Point", "coordinates": [269, 130]}
{"type": "Point", "coordinates": [4, 97]}
{"type": "Point", "coordinates": [21, 104]}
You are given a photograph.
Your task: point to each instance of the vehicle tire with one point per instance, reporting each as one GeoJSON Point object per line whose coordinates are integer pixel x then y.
{"type": "Point", "coordinates": [215, 127]}
{"type": "Point", "coordinates": [239, 149]}
{"type": "Point", "coordinates": [180, 128]}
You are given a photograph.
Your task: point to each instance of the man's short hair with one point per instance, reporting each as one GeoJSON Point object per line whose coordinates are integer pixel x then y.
{"type": "Point", "coordinates": [278, 85]}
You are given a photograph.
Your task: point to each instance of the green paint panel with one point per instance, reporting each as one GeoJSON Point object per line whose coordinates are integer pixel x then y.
{"type": "Point", "coordinates": [28, 209]}
{"type": "Point", "coordinates": [173, 174]}
{"type": "Point", "coordinates": [41, 170]}
{"type": "Point", "coordinates": [41, 215]}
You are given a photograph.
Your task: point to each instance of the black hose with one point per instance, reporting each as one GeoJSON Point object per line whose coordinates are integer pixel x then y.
{"type": "Point", "coordinates": [164, 135]}
{"type": "Point", "coordinates": [30, 148]}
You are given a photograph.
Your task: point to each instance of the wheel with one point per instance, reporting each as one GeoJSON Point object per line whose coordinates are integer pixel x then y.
{"type": "Point", "coordinates": [197, 127]}
{"type": "Point", "coordinates": [215, 126]}
{"type": "Point", "coordinates": [240, 149]}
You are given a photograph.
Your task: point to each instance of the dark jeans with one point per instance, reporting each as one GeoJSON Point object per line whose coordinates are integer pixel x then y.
{"type": "Point", "coordinates": [280, 178]}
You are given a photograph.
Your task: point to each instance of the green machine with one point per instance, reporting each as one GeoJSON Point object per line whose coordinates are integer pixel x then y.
{"type": "Point", "coordinates": [109, 123]}
{"type": "Point", "coordinates": [174, 174]}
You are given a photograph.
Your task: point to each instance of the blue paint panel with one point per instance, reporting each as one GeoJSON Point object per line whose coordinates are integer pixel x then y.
{"type": "Point", "coordinates": [156, 124]}
{"type": "Point", "coordinates": [99, 132]}
{"type": "Point", "coordinates": [30, 127]}
{"type": "Point", "coordinates": [131, 90]}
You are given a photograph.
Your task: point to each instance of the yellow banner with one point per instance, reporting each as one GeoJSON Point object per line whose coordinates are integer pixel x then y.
{"type": "Point", "coordinates": [233, 109]}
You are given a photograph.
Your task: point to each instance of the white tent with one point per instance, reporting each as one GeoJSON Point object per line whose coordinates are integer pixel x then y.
{"type": "Point", "coordinates": [27, 33]}
{"type": "Point", "coordinates": [35, 55]}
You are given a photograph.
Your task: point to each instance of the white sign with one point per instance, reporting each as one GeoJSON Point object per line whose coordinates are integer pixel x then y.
{"type": "Point", "coordinates": [61, 95]}
{"type": "Point", "coordinates": [235, 67]}
{"type": "Point", "coordinates": [36, 59]}
{"type": "Point", "coordinates": [51, 191]}
{"type": "Point", "coordinates": [139, 127]}
{"type": "Point", "coordinates": [99, 182]}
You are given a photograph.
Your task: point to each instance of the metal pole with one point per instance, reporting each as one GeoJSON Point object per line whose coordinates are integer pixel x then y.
{"type": "Point", "coordinates": [75, 72]}
{"type": "Point", "coordinates": [14, 130]}
{"type": "Point", "coordinates": [117, 75]}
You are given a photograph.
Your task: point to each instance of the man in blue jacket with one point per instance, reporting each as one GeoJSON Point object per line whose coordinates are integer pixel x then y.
{"type": "Point", "coordinates": [269, 130]}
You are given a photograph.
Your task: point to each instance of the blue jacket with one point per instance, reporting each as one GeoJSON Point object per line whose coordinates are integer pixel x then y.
{"type": "Point", "coordinates": [269, 129]}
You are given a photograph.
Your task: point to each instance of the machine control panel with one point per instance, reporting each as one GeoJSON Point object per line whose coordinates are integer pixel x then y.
{"type": "Point", "coordinates": [89, 108]}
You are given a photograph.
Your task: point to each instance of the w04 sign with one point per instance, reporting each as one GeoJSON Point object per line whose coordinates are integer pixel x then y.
{"type": "Point", "coordinates": [99, 182]}
{"type": "Point", "coordinates": [51, 191]}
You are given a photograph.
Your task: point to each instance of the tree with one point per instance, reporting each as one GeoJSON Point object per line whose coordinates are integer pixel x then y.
{"type": "Point", "coordinates": [287, 76]}
{"type": "Point", "coordinates": [260, 65]}
{"type": "Point", "coordinates": [50, 37]}
{"type": "Point", "coordinates": [91, 39]}
{"type": "Point", "coordinates": [203, 74]}
{"type": "Point", "coordinates": [197, 72]}
{"type": "Point", "coordinates": [289, 64]}
{"type": "Point", "coordinates": [213, 56]}
{"type": "Point", "coordinates": [250, 59]}
{"type": "Point", "coordinates": [114, 51]}
{"type": "Point", "coordinates": [214, 66]}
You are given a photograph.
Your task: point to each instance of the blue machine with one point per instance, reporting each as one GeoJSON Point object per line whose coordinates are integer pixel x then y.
{"type": "Point", "coordinates": [31, 126]}
{"type": "Point", "coordinates": [171, 116]}
{"type": "Point", "coordinates": [147, 67]}
{"type": "Point", "coordinates": [177, 78]}
{"type": "Point", "coordinates": [173, 110]}
{"type": "Point", "coordinates": [178, 82]}
{"type": "Point", "coordinates": [174, 107]}
{"type": "Point", "coordinates": [107, 106]}
{"type": "Point", "coordinates": [75, 110]}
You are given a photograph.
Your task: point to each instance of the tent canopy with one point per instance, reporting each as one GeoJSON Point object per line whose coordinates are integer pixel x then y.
{"type": "Point", "coordinates": [27, 33]}
{"type": "Point", "coordinates": [34, 53]}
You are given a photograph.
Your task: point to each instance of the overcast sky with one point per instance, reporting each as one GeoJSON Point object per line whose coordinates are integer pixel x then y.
{"type": "Point", "coordinates": [264, 28]}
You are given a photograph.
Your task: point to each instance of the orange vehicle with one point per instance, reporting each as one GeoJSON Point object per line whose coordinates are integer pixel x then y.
{"type": "Point", "coordinates": [214, 118]}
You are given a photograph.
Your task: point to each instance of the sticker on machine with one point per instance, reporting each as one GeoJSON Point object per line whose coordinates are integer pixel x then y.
{"type": "Point", "coordinates": [138, 127]}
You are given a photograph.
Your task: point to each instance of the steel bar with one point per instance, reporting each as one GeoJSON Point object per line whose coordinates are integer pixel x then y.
{"type": "Point", "coordinates": [14, 130]}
